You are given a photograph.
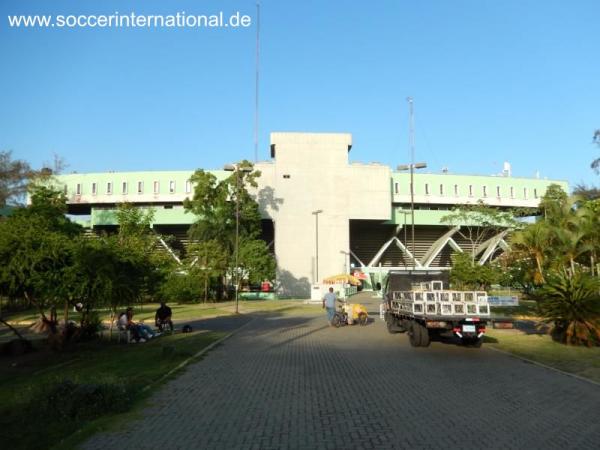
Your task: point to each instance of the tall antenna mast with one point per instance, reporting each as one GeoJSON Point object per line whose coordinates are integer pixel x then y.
{"type": "Point", "coordinates": [411, 142]}
{"type": "Point", "coordinates": [257, 80]}
{"type": "Point", "coordinates": [411, 128]}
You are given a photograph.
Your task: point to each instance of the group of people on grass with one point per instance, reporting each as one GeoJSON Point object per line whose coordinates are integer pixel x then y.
{"type": "Point", "coordinates": [141, 332]}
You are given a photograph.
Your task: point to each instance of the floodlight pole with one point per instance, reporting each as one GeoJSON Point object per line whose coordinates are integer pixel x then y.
{"type": "Point", "coordinates": [412, 170]}
{"type": "Point", "coordinates": [412, 167]}
{"type": "Point", "coordinates": [404, 213]}
{"type": "Point", "coordinates": [256, 87]}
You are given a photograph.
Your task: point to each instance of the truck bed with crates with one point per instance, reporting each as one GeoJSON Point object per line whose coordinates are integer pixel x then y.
{"type": "Point", "coordinates": [428, 309]}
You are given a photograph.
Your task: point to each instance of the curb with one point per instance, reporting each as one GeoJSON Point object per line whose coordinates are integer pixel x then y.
{"type": "Point", "coordinates": [539, 364]}
{"type": "Point", "coordinates": [197, 355]}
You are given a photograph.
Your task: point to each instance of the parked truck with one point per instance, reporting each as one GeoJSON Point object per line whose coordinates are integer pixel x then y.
{"type": "Point", "coordinates": [423, 306]}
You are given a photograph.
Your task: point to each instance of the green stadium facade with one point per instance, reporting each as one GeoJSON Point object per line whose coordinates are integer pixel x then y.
{"type": "Point", "coordinates": [321, 214]}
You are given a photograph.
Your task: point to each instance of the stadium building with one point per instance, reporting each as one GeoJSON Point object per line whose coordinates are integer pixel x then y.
{"type": "Point", "coordinates": [321, 214]}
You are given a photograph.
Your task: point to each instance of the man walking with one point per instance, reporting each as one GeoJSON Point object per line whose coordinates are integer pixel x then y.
{"type": "Point", "coordinates": [329, 304]}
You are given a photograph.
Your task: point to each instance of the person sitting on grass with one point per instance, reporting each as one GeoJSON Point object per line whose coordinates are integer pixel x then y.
{"type": "Point", "coordinates": [139, 331]}
{"type": "Point", "coordinates": [123, 324]}
{"type": "Point", "coordinates": [163, 317]}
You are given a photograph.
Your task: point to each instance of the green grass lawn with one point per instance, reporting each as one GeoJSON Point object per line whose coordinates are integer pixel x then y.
{"type": "Point", "coordinates": [145, 312]}
{"type": "Point", "coordinates": [24, 381]}
{"type": "Point", "coordinates": [541, 348]}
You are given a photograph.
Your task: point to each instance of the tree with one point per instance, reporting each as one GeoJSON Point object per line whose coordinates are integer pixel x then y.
{"type": "Point", "coordinates": [478, 222]}
{"type": "Point", "coordinates": [565, 237]}
{"type": "Point", "coordinates": [181, 287]}
{"type": "Point", "coordinates": [466, 275]}
{"type": "Point", "coordinates": [32, 261]}
{"type": "Point", "coordinates": [48, 206]}
{"type": "Point", "coordinates": [216, 204]}
{"type": "Point", "coordinates": [556, 206]}
{"type": "Point", "coordinates": [207, 260]}
{"type": "Point", "coordinates": [531, 243]}
{"type": "Point", "coordinates": [134, 222]}
{"type": "Point", "coordinates": [14, 176]}
{"type": "Point", "coordinates": [559, 253]}
{"type": "Point", "coordinates": [255, 261]}
{"type": "Point", "coordinates": [138, 239]}
{"type": "Point", "coordinates": [589, 216]}
{"type": "Point", "coordinates": [45, 259]}
{"type": "Point", "coordinates": [17, 177]}
{"type": "Point", "coordinates": [556, 240]}
{"type": "Point", "coordinates": [515, 271]}
{"type": "Point", "coordinates": [35, 249]}
{"type": "Point", "coordinates": [104, 272]}
{"type": "Point", "coordinates": [569, 244]}
{"type": "Point", "coordinates": [571, 302]}
{"type": "Point", "coordinates": [586, 192]}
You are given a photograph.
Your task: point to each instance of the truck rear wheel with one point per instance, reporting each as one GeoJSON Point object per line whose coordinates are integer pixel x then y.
{"type": "Point", "coordinates": [414, 335]}
{"type": "Point", "coordinates": [418, 335]}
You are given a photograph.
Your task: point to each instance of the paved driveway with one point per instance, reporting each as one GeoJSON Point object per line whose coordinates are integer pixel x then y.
{"type": "Point", "coordinates": [294, 382]}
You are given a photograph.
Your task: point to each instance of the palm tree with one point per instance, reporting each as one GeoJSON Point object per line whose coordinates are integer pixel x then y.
{"type": "Point", "coordinates": [570, 244]}
{"type": "Point", "coordinates": [589, 217]}
{"type": "Point", "coordinates": [571, 302]}
{"type": "Point", "coordinates": [533, 242]}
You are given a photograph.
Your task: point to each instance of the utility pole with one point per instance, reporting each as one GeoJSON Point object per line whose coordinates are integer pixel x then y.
{"type": "Point", "coordinates": [411, 140]}
{"type": "Point", "coordinates": [412, 166]}
{"type": "Point", "coordinates": [256, 82]}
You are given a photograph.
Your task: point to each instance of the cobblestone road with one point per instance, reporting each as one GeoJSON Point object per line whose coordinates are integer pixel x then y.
{"type": "Point", "coordinates": [293, 382]}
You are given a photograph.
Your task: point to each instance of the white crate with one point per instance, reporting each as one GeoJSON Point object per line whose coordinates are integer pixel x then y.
{"type": "Point", "coordinates": [419, 307]}
{"type": "Point", "coordinates": [445, 308]}
{"type": "Point", "coordinates": [471, 309]}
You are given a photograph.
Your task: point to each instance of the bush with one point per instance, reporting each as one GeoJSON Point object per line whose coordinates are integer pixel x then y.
{"type": "Point", "coordinates": [72, 401]}
{"type": "Point", "coordinates": [49, 411]}
{"type": "Point", "coordinates": [466, 274]}
{"type": "Point", "coordinates": [91, 325]}
{"type": "Point", "coordinates": [182, 288]}
{"type": "Point", "coordinates": [572, 304]}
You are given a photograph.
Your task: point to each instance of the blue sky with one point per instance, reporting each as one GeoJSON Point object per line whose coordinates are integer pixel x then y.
{"type": "Point", "coordinates": [492, 81]}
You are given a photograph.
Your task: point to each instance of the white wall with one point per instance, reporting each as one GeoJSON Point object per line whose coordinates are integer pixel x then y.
{"type": "Point", "coordinates": [319, 178]}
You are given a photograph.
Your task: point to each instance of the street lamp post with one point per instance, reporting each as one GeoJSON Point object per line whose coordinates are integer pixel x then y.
{"type": "Point", "coordinates": [316, 214]}
{"type": "Point", "coordinates": [405, 213]}
{"type": "Point", "coordinates": [412, 168]}
{"type": "Point", "coordinates": [236, 168]}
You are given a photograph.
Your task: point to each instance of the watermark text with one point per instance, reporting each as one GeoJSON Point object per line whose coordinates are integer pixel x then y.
{"type": "Point", "coordinates": [179, 19]}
